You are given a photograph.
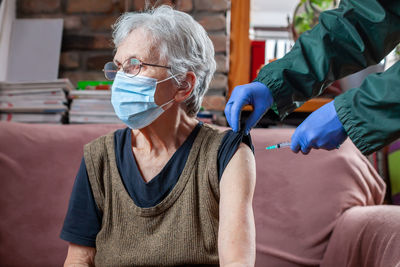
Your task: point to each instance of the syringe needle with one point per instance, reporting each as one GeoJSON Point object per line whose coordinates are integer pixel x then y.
{"type": "Point", "coordinates": [280, 145]}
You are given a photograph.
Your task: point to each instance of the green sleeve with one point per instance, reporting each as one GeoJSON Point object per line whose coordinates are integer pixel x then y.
{"type": "Point", "coordinates": [357, 34]}
{"type": "Point", "coordinates": [371, 114]}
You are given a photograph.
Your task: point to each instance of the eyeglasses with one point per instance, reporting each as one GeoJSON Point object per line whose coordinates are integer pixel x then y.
{"type": "Point", "coordinates": [130, 67]}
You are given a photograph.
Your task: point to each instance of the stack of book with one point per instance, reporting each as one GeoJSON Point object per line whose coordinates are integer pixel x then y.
{"type": "Point", "coordinates": [92, 106]}
{"type": "Point", "coordinates": [34, 102]}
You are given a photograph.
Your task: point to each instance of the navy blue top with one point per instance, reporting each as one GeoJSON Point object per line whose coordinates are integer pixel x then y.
{"type": "Point", "coordinates": [83, 219]}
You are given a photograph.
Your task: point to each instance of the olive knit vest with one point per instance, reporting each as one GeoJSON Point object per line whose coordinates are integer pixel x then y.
{"type": "Point", "coordinates": [181, 230]}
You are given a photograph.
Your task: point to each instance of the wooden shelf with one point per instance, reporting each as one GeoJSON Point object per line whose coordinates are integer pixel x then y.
{"type": "Point", "coordinates": [313, 104]}
{"type": "Point", "coordinates": [310, 106]}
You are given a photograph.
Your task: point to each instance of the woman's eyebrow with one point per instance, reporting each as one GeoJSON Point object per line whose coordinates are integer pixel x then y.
{"type": "Point", "coordinates": [136, 56]}
{"type": "Point", "coordinates": [129, 57]}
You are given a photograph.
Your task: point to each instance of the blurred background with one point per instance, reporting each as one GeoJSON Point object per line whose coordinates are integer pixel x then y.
{"type": "Point", "coordinates": [65, 43]}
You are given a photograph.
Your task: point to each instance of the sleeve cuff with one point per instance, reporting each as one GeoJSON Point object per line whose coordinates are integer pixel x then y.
{"type": "Point", "coordinates": [79, 240]}
{"type": "Point", "coordinates": [343, 110]}
{"type": "Point", "coordinates": [283, 105]}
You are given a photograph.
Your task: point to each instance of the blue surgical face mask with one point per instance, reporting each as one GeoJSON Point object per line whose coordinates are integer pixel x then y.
{"type": "Point", "coordinates": [133, 99]}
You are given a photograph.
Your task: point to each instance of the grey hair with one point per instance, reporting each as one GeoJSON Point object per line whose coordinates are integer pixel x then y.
{"type": "Point", "coordinates": [182, 42]}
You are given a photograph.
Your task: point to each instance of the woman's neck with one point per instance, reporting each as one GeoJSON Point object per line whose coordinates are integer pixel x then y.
{"type": "Point", "coordinates": [165, 134]}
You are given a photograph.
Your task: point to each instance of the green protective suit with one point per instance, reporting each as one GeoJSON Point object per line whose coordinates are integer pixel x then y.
{"type": "Point", "coordinates": [357, 34]}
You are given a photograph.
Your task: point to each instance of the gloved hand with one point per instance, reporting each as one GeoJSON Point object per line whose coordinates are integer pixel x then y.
{"type": "Point", "coordinates": [322, 129]}
{"type": "Point", "coordinates": [256, 94]}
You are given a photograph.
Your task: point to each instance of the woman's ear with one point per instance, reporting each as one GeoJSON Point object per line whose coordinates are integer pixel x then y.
{"type": "Point", "coordinates": [186, 87]}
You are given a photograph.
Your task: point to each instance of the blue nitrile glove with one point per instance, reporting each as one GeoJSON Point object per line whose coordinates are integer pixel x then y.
{"type": "Point", "coordinates": [322, 129]}
{"type": "Point", "coordinates": [256, 94]}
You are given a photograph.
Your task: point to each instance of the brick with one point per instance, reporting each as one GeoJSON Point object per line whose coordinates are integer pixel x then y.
{"type": "Point", "coordinates": [219, 81]}
{"type": "Point", "coordinates": [101, 23]}
{"type": "Point", "coordinates": [163, 2]}
{"type": "Point", "coordinates": [140, 5]}
{"type": "Point", "coordinates": [220, 42]}
{"type": "Point", "coordinates": [103, 42]}
{"type": "Point", "coordinates": [213, 102]}
{"type": "Point", "coordinates": [69, 60]}
{"type": "Point", "coordinates": [40, 16]}
{"type": "Point", "coordinates": [38, 6]}
{"type": "Point", "coordinates": [184, 5]}
{"type": "Point", "coordinates": [86, 42]}
{"type": "Point", "coordinates": [211, 5]}
{"type": "Point", "coordinates": [97, 62]}
{"type": "Point", "coordinates": [78, 42]}
{"type": "Point", "coordinates": [222, 63]}
{"type": "Point", "coordinates": [72, 23]}
{"type": "Point", "coordinates": [75, 76]}
{"type": "Point", "coordinates": [89, 6]}
{"type": "Point", "coordinates": [212, 22]}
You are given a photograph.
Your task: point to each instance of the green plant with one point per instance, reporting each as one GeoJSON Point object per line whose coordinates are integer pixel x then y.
{"type": "Point", "coordinates": [307, 12]}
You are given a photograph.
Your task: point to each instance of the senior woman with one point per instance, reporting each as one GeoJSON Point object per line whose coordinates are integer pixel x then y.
{"type": "Point", "coordinates": [167, 190]}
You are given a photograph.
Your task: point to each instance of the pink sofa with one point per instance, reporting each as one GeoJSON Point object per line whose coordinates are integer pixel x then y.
{"type": "Point", "coordinates": [309, 210]}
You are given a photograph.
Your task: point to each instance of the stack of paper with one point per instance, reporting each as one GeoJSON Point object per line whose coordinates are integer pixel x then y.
{"type": "Point", "coordinates": [37, 102]}
{"type": "Point", "coordinates": [92, 106]}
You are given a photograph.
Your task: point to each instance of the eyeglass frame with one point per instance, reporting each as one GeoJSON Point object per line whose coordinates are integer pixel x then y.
{"type": "Point", "coordinates": [140, 67]}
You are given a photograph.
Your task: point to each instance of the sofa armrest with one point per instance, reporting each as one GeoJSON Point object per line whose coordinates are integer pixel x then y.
{"type": "Point", "coordinates": [38, 164]}
{"type": "Point", "coordinates": [365, 236]}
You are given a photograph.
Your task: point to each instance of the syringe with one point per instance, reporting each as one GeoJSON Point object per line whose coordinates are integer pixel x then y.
{"type": "Point", "coordinates": [280, 145]}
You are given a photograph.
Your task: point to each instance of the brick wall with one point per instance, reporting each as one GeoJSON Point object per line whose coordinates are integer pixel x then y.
{"type": "Point", "coordinates": [87, 45]}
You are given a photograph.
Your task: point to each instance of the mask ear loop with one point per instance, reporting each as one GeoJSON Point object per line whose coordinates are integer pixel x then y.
{"type": "Point", "coordinates": [187, 85]}
{"type": "Point", "coordinates": [168, 78]}
{"type": "Point", "coordinates": [166, 103]}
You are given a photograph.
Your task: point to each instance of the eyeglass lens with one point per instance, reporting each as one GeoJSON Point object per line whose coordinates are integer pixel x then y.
{"type": "Point", "coordinates": [110, 70]}
{"type": "Point", "coordinates": [131, 67]}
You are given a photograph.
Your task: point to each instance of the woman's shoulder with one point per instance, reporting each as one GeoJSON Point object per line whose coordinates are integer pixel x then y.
{"type": "Point", "coordinates": [218, 138]}
{"type": "Point", "coordinates": [215, 129]}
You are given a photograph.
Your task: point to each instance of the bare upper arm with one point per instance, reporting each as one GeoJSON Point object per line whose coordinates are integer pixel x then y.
{"type": "Point", "coordinates": [79, 256]}
{"type": "Point", "coordinates": [239, 176]}
{"type": "Point", "coordinates": [236, 239]}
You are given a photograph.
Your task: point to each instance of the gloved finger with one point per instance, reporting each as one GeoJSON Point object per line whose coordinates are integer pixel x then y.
{"type": "Point", "coordinates": [295, 145]}
{"type": "Point", "coordinates": [235, 113]}
{"type": "Point", "coordinates": [305, 144]}
{"type": "Point", "coordinates": [314, 144]}
{"type": "Point", "coordinates": [254, 117]}
{"type": "Point", "coordinates": [227, 111]}
{"type": "Point", "coordinates": [305, 149]}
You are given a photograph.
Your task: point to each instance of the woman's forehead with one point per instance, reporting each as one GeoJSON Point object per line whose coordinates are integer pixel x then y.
{"type": "Point", "coordinates": [137, 44]}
